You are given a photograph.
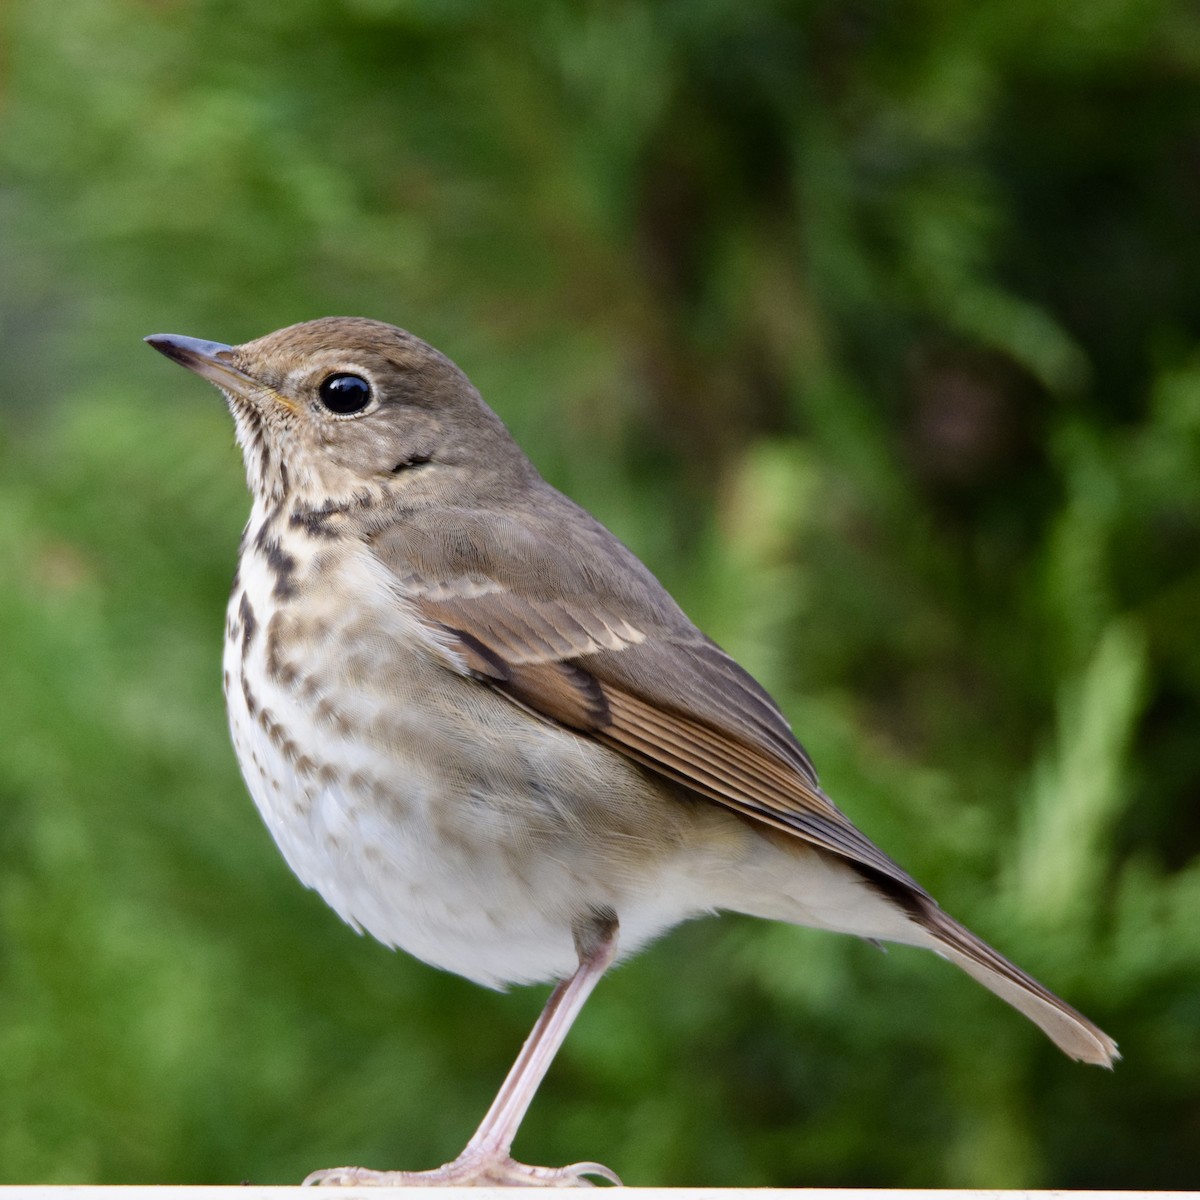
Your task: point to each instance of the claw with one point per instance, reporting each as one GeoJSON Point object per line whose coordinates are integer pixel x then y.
{"type": "Point", "coordinates": [468, 1171]}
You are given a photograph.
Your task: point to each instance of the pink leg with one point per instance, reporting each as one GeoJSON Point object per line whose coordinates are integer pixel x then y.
{"type": "Point", "coordinates": [486, 1161]}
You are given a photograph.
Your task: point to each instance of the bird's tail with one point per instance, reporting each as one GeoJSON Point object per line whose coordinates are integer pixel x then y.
{"type": "Point", "coordinates": [1069, 1030]}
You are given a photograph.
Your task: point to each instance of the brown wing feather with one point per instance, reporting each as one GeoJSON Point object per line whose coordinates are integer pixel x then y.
{"type": "Point", "coordinates": [627, 668]}
{"type": "Point", "coordinates": [740, 776]}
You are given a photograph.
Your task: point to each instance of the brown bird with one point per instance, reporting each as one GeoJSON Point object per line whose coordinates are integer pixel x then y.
{"type": "Point", "coordinates": [478, 725]}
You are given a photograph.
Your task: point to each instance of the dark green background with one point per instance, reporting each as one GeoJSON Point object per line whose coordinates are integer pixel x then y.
{"type": "Point", "coordinates": [872, 327]}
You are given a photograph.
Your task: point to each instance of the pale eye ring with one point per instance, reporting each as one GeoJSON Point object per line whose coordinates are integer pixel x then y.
{"type": "Point", "coordinates": [344, 393]}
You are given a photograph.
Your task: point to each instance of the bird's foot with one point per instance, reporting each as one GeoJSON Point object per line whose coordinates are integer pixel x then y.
{"type": "Point", "coordinates": [468, 1170]}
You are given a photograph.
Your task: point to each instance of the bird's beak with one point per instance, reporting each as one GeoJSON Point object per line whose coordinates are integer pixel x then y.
{"type": "Point", "coordinates": [213, 361]}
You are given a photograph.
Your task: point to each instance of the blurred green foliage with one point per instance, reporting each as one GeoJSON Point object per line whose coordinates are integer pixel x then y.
{"type": "Point", "coordinates": [872, 327]}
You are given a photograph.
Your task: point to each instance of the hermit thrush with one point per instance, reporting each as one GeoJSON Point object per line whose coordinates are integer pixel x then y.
{"type": "Point", "coordinates": [482, 730]}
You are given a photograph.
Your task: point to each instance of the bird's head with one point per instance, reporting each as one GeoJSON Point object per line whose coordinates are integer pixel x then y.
{"type": "Point", "coordinates": [343, 406]}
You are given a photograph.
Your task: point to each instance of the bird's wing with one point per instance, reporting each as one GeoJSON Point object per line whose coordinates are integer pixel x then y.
{"type": "Point", "coordinates": [562, 619]}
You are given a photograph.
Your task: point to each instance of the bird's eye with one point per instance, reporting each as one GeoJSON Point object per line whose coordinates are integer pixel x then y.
{"type": "Point", "coordinates": [344, 394]}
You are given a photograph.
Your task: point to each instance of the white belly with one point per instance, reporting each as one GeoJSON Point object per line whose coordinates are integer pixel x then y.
{"type": "Point", "coordinates": [456, 827]}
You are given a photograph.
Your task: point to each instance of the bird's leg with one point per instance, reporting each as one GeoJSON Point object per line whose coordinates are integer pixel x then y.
{"type": "Point", "coordinates": [494, 1138]}
{"type": "Point", "coordinates": [487, 1161]}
